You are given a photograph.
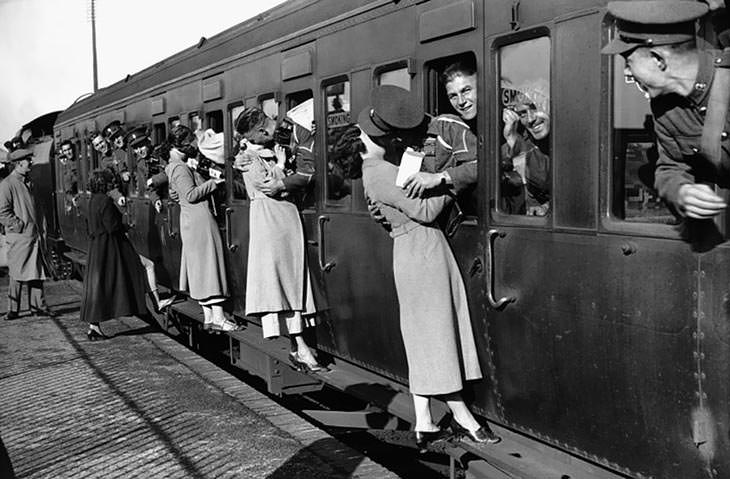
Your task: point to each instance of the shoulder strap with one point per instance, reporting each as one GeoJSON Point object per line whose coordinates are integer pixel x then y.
{"type": "Point", "coordinates": [717, 107]}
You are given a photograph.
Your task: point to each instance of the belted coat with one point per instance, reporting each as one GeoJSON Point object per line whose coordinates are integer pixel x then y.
{"type": "Point", "coordinates": [23, 229]}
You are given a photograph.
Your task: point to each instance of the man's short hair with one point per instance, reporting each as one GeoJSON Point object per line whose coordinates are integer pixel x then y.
{"type": "Point", "coordinates": [69, 144]}
{"type": "Point", "coordinates": [250, 119]}
{"type": "Point", "coordinates": [463, 67]}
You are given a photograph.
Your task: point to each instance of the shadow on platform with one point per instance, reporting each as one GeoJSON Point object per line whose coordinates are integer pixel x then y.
{"type": "Point", "coordinates": [320, 448]}
{"type": "Point", "coordinates": [6, 467]}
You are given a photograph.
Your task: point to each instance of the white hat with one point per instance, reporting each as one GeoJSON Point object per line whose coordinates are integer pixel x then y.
{"type": "Point", "coordinates": [210, 145]}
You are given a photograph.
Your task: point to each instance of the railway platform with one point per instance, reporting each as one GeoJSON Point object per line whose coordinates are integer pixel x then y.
{"type": "Point", "coordinates": [142, 405]}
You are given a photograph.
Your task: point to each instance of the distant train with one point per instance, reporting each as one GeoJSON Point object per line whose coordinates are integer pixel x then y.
{"type": "Point", "coordinates": [602, 326]}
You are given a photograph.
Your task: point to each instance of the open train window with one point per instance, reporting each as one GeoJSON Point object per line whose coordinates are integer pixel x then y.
{"type": "Point", "coordinates": [338, 188]}
{"type": "Point", "coordinates": [195, 123]}
{"type": "Point", "coordinates": [394, 74]}
{"type": "Point", "coordinates": [239, 189]}
{"type": "Point", "coordinates": [524, 172]}
{"type": "Point", "coordinates": [635, 153]}
{"type": "Point", "coordinates": [452, 99]}
{"type": "Point", "coordinates": [270, 105]}
{"type": "Point", "coordinates": [159, 134]}
{"type": "Point", "coordinates": [214, 121]}
{"type": "Point", "coordinates": [173, 122]}
{"type": "Point", "coordinates": [300, 111]}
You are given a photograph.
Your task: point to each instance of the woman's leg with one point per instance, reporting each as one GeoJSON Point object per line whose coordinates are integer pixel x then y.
{"type": "Point", "coordinates": [207, 314]}
{"type": "Point", "coordinates": [462, 414]}
{"type": "Point", "coordinates": [424, 421]}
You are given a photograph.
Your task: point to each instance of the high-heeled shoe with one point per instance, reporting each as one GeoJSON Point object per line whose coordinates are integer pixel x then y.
{"type": "Point", "coordinates": [95, 335]}
{"type": "Point", "coordinates": [424, 438]}
{"type": "Point", "coordinates": [483, 435]}
{"type": "Point", "coordinates": [302, 365]}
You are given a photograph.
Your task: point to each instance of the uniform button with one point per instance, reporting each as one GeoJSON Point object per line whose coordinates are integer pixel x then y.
{"type": "Point", "coordinates": [703, 109]}
{"type": "Point", "coordinates": [723, 135]}
{"type": "Point", "coordinates": [695, 150]}
{"type": "Point", "coordinates": [700, 85]}
{"type": "Point", "coordinates": [718, 60]}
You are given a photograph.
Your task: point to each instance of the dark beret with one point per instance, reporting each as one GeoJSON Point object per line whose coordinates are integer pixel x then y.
{"type": "Point", "coordinates": [137, 136]}
{"type": "Point", "coordinates": [391, 108]}
{"type": "Point", "coordinates": [19, 154]}
{"type": "Point", "coordinates": [648, 23]}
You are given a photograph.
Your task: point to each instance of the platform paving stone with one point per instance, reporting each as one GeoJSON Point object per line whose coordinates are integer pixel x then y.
{"type": "Point", "coordinates": [141, 405]}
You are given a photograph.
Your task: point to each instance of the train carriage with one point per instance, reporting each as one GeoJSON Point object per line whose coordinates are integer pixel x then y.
{"type": "Point", "coordinates": [601, 326]}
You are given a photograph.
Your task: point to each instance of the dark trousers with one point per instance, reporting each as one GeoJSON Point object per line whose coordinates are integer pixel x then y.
{"type": "Point", "coordinates": [36, 297]}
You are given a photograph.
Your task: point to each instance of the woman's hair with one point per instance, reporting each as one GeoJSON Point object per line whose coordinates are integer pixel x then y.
{"type": "Point", "coordinates": [464, 67]}
{"type": "Point", "coordinates": [101, 181]}
{"type": "Point", "coordinates": [180, 136]}
{"type": "Point", "coordinates": [249, 119]}
{"type": "Point", "coordinates": [346, 152]}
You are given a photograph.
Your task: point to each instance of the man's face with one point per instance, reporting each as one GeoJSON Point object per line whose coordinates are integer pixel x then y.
{"type": "Point", "coordinates": [462, 93]}
{"type": "Point", "coordinates": [536, 122]}
{"type": "Point", "coordinates": [647, 69]}
{"type": "Point", "coordinates": [67, 152]}
{"type": "Point", "coordinates": [100, 144]}
{"type": "Point", "coordinates": [23, 166]}
{"type": "Point", "coordinates": [142, 150]}
{"type": "Point", "coordinates": [119, 142]}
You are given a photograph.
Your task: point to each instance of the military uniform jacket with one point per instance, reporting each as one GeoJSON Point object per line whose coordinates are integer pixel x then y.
{"type": "Point", "coordinates": [22, 229]}
{"type": "Point", "coordinates": [455, 151]}
{"type": "Point", "coordinates": [678, 125]}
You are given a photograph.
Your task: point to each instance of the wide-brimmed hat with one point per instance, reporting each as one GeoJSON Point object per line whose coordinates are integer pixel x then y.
{"type": "Point", "coordinates": [651, 23]}
{"type": "Point", "coordinates": [391, 109]}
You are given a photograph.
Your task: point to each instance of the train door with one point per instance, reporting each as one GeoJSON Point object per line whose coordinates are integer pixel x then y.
{"type": "Point", "coordinates": [591, 290]}
{"type": "Point", "coordinates": [168, 220]}
{"type": "Point", "coordinates": [354, 260]}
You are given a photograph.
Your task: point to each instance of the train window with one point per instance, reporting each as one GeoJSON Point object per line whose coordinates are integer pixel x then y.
{"type": "Point", "coordinates": [635, 154]}
{"type": "Point", "coordinates": [300, 110]}
{"type": "Point", "coordinates": [214, 121]}
{"type": "Point", "coordinates": [195, 123]}
{"type": "Point", "coordinates": [337, 107]}
{"type": "Point", "coordinates": [270, 106]}
{"type": "Point", "coordinates": [398, 77]}
{"type": "Point", "coordinates": [452, 99]}
{"type": "Point", "coordinates": [159, 134]}
{"type": "Point", "coordinates": [525, 169]}
{"type": "Point", "coordinates": [239, 190]}
{"type": "Point", "coordinates": [173, 122]}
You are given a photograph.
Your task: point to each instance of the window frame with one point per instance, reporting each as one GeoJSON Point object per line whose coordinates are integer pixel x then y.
{"type": "Point", "coordinates": [497, 216]}
{"type": "Point", "coordinates": [229, 145]}
{"type": "Point", "coordinates": [326, 203]}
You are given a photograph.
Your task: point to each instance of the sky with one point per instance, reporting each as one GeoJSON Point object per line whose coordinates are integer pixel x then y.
{"type": "Point", "coordinates": [46, 50]}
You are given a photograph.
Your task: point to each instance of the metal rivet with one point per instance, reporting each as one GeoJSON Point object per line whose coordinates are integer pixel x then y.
{"type": "Point", "coordinates": [703, 109]}
{"type": "Point", "coordinates": [723, 135]}
{"type": "Point", "coordinates": [695, 150]}
{"type": "Point", "coordinates": [718, 60]}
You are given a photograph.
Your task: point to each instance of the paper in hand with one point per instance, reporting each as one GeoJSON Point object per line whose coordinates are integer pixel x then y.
{"type": "Point", "coordinates": [410, 163]}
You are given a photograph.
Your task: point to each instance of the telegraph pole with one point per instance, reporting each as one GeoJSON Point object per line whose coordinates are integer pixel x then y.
{"type": "Point", "coordinates": [93, 44]}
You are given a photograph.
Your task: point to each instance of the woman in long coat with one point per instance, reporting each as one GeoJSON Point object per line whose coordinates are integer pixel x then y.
{"type": "Point", "coordinates": [202, 265]}
{"type": "Point", "coordinates": [278, 285]}
{"type": "Point", "coordinates": [433, 308]}
{"type": "Point", "coordinates": [114, 279]}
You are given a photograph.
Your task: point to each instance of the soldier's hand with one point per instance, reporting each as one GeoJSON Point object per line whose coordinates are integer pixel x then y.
{"type": "Point", "coordinates": [242, 161]}
{"type": "Point", "coordinates": [699, 201]}
{"type": "Point", "coordinates": [418, 183]}
{"type": "Point", "coordinates": [122, 201]}
{"type": "Point", "coordinates": [126, 176]}
{"type": "Point", "coordinates": [158, 206]}
{"type": "Point", "coordinates": [75, 201]}
{"type": "Point", "coordinates": [377, 215]}
{"type": "Point", "coordinates": [511, 119]}
{"type": "Point", "coordinates": [174, 196]}
{"type": "Point", "coordinates": [270, 186]}
{"type": "Point", "coordinates": [149, 183]}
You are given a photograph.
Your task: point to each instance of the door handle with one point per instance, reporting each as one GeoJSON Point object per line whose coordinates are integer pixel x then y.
{"type": "Point", "coordinates": [323, 264]}
{"type": "Point", "coordinates": [229, 237]}
{"type": "Point", "coordinates": [503, 301]}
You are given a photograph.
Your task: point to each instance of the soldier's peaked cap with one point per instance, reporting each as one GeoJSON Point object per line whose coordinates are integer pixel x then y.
{"type": "Point", "coordinates": [112, 130]}
{"type": "Point", "coordinates": [137, 136]}
{"type": "Point", "coordinates": [648, 23]}
{"type": "Point", "coordinates": [391, 108]}
{"type": "Point", "coordinates": [19, 154]}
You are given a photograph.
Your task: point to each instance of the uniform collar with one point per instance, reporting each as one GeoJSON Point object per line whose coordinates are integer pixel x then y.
{"type": "Point", "coordinates": [705, 73]}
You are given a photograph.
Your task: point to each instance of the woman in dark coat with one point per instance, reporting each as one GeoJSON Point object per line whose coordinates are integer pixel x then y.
{"type": "Point", "coordinates": [114, 279]}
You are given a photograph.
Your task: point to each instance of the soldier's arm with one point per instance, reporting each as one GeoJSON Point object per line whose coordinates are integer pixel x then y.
{"type": "Point", "coordinates": [671, 171]}
{"type": "Point", "coordinates": [304, 161]}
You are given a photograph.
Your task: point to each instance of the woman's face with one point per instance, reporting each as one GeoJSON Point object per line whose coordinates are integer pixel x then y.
{"type": "Point", "coordinates": [372, 151]}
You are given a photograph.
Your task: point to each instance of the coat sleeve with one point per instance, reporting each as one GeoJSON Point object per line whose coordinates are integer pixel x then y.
{"type": "Point", "coordinates": [8, 218]}
{"type": "Point", "coordinates": [303, 159]}
{"type": "Point", "coordinates": [181, 180]}
{"type": "Point", "coordinates": [670, 174]}
{"type": "Point", "coordinates": [463, 147]}
{"type": "Point", "coordinates": [422, 210]}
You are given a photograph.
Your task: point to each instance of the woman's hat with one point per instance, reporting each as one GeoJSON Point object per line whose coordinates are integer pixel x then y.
{"type": "Point", "coordinates": [210, 145]}
{"type": "Point", "coordinates": [391, 109]}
